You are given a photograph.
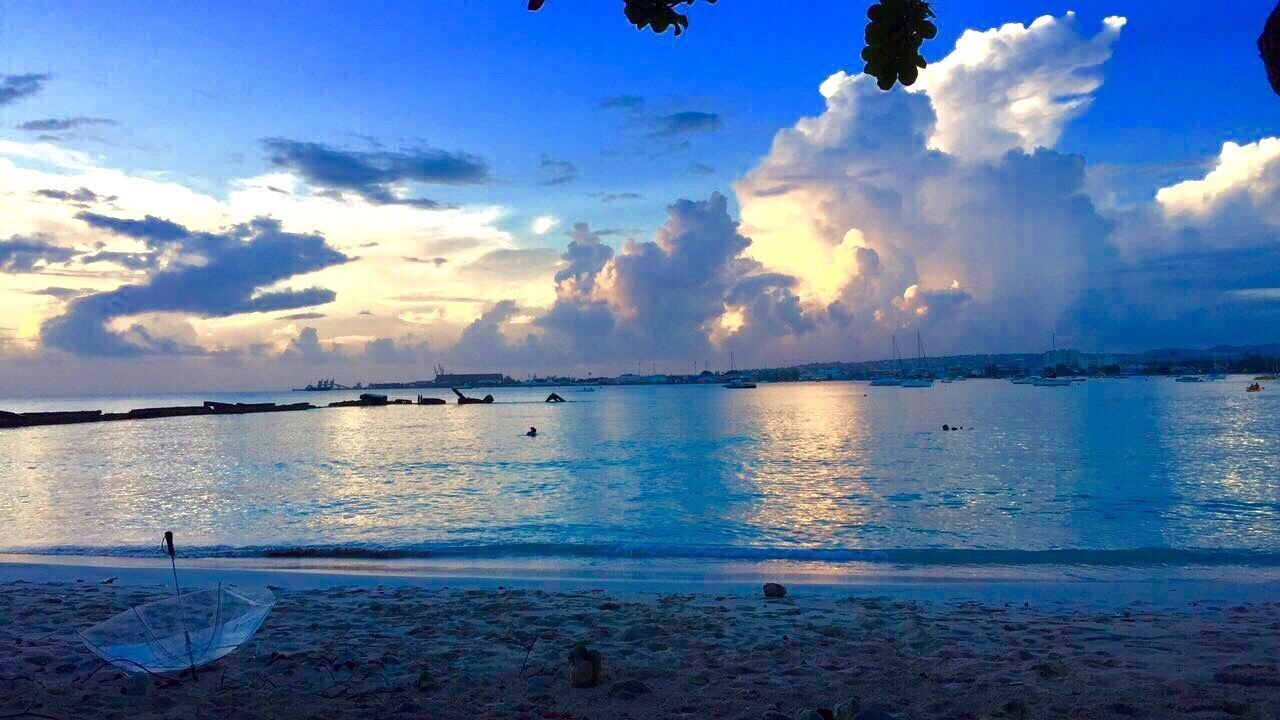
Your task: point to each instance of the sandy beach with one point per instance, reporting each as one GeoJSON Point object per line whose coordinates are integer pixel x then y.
{"type": "Point", "coordinates": [501, 652]}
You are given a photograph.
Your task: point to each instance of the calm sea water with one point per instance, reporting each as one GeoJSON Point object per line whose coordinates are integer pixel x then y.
{"type": "Point", "coordinates": [1108, 472]}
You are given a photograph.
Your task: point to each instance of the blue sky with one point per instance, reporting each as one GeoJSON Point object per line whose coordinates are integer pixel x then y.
{"type": "Point", "coordinates": [195, 91]}
{"type": "Point", "coordinates": [191, 97]}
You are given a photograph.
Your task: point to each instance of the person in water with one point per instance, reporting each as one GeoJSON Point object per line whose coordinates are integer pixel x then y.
{"type": "Point", "coordinates": [533, 432]}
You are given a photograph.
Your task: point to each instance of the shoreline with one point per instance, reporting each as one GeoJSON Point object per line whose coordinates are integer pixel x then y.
{"type": "Point", "coordinates": [1155, 588]}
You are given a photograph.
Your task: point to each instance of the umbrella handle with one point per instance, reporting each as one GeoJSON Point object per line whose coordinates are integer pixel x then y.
{"type": "Point", "coordinates": [168, 546]}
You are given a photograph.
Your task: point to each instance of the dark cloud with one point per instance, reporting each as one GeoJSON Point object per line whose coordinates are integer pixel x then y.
{"type": "Point", "coordinates": [302, 316]}
{"type": "Point", "coordinates": [80, 195]}
{"type": "Point", "coordinates": [64, 124]}
{"type": "Point", "coordinates": [689, 121]}
{"type": "Point", "coordinates": [132, 261]}
{"type": "Point", "coordinates": [608, 197]}
{"type": "Point", "coordinates": [437, 261]}
{"type": "Point", "coordinates": [373, 175]}
{"type": "Point", "coordinates": [556, 172]}
{"type": "Point", "coordinates": [60, 293]}
{"type": "Point", "coordinates": [155, 232]}
{"type": "Point", "coordinates": [21, 254]}
{"type": "Point", "coordinates": [16, 87]}
{"type": "Point", "coordinates": [629, 103]}
{"type": "Point", "coordinates": [235, 267]}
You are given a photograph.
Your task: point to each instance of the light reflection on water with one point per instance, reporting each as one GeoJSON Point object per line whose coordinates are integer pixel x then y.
{"type": "Point", "coordinates": [1105, 465]}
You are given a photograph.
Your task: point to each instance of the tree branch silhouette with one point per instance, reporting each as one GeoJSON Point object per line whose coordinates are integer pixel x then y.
{"type": "Point", "coordinates": [1269, 47]}
{"type": "Point", "coordinates": [894, 35]}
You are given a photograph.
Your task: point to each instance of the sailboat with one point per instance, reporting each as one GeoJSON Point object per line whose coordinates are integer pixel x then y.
{"type": "Point", "coordinates": [919, 382]}
{"type": "Point", "coordinates": [890, 380]}
{"type": "Point", "coordinates": [737, 383]}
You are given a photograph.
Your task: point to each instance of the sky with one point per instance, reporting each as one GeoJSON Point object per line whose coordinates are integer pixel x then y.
{"type": "Point", "coordinates": [240, 197]}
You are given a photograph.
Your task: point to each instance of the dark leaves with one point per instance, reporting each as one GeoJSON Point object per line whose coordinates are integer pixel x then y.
{"type": "Point", "coordinates": [657, 15]}
{"type": "Point", "coordinates": [896, 30]}
{"type": "Point", "coordinates": [1269, 46]}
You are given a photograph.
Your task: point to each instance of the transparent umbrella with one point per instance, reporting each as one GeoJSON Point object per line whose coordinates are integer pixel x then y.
{"type": "Point", "coordinates": [180, 632]}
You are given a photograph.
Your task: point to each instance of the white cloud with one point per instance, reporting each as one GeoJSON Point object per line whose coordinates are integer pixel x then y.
{"type": "Point", "coordinates": [543, 224]}
{"type": "Point", "coordinates": [1247, 175]}
{"type": "Point", "coordinates": [1015, 86]}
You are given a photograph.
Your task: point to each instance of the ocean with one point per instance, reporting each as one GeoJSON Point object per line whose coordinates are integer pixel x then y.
{"type": "Point", "coordinates": [1109, 473]}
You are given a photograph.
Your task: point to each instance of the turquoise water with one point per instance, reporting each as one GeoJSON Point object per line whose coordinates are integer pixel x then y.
{"type": "Point", "coordinates": [1108, 472]}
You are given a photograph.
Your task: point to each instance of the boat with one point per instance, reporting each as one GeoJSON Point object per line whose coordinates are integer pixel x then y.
{"type": "Point", "coordinates": [1189, 379]}
{"type": "Point", "coordinates": [1269, 378]}
{"type": "Point", "coordinates": [1254, 388]}
{"type": "Point", "coordinates": [586, 389]}
{"type": "Point", "coordinates": [737, 383]}
{"type": "Point", "coordinates": [1022, 380]}
{"type": "Point", "coordinates": [1215, 376]}
{"type": "Point", "coordinates": [925, 379]}
{"type": "Point", "coordinates": [1051, 382]}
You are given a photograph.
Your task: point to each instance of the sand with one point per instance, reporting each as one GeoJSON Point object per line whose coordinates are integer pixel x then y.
{"type": "Point", "coordinates": [423, 652]}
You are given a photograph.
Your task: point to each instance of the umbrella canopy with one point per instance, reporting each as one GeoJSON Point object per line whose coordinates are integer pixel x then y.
{"type": "Point", "coordinates": [180, 632]}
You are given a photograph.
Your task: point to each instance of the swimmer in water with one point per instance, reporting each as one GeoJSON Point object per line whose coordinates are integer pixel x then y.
{"type": "Point", "coordinates": [533, 432]}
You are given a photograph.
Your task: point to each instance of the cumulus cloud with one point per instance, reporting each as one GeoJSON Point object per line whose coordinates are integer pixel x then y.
{"type": "Point", "coordinates": [16, 87]}
{"type": "Point", "coordinates": [1245, 181]}
{"type": "Point", "coordinates": [1015, 86]}
{"type": "Point", "coordinates": [663, 298]}
{"type": "Point", "coordinates": [896, 211]}
{"type": "Point", "coordinates": [233, 273]}
{"type": "Point", "coordinates": [584, 258]}
{"type": "Point", "coordinates": [376, 175]}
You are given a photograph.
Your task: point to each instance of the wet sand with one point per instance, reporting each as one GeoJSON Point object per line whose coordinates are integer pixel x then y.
{"type": "Point", "coordinates": [415, 652]}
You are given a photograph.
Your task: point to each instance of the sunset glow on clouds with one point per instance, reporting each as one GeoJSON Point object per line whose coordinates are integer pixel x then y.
{"type": "Point", "coordinates": [946, 209]}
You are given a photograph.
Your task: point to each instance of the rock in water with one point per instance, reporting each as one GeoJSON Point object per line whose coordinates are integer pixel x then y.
{"type": "Point", "coordinates": [586, 669]}
{"type": "Point", "coordinates": [774, 590]}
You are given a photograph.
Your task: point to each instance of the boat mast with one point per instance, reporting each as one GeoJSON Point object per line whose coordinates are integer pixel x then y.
{"type": "Point", "coordinates": [924, 360]}
{"type": "Point", "coordinates": [902, 370]}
